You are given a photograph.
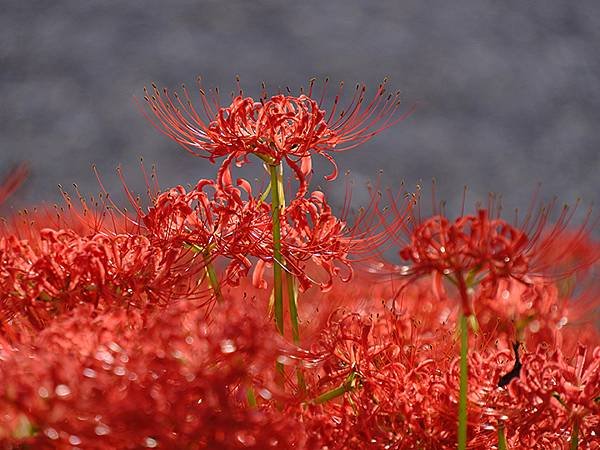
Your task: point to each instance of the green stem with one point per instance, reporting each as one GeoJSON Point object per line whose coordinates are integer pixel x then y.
{"type": "Point", "coordinates": [330, 395]}
{"type": "Point", "coordinates": [502, 444]}
{"type": "Point", "coordinates": [464, 383]}
{"type": "Point", "coordinates": [293, 305]}
{"type": "Point", "coordinates": [276, 207]}
{"type": "Point", "coordinates": [251, 397]}
{"type": "Point", "coordinates": [346, 386]}
{"type": "Point", "coordinates": [292, 289]}
{"type": "Point", "coordinates": [212, 277]}
{"type": "Point", "coordinates": [575, 435]}
{"type": "Point", "coordinates": [277, 257]}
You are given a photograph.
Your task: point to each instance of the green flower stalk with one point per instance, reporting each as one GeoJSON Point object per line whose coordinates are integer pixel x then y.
{"type": "Point", "coordinates": [278, 262]}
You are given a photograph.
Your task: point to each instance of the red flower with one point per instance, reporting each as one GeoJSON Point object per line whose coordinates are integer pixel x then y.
{"type": "Point", "coordinates": [469, 243]}
{"type": "Point", "coordinates": [173, 379]}
{"type": "Point", "coordinates": [553, 395]}
{"type": "Point", "coordinates": [41, 279]}
{"type": "Point", "coordinates": [311, 235]}
{"type": "Point", "coordinates": [227, 223]}
{"type": "Point", "coordinates": [479, 248]}
{"type": "Point", "coordinates": [280, 128]}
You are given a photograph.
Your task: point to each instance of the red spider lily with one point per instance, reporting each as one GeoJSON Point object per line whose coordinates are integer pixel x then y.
{"type": "Point", "coordinates": [404, 392]}
{"type": "Point", "coordinates": [524, 312]}
{"type": "Point", "coordinates": [280, 128]}
{"type": "Point", "coordinates": [312, 235]}
{"type": "Point", "coordinates": [403, 395]}
{"type": "Point", "coordinates": [479, 248]}
{"type": "Point", "coordinates": [168, 380]}
{"type": "Point", "coordinates": [221, 224]}
{"type": "Point", "coordinates": [469, 243]}
{"type": "Point", "coordinates": [62, 269]}
{"type": "Point", "coordinates": [12, 182]}
{"type": "Point", "coordinates": [312, 232]}
{"type": "Point", "coordinates": [552, 396]}
{"type": "Point", "coordinates": [537, 313]}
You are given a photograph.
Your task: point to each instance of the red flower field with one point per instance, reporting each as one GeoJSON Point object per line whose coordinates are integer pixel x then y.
{"type": "Point", "coordinates": [239, 315]}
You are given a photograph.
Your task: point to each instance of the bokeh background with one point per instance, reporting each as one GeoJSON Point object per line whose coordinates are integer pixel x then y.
{"type": "Point", "coordinates": [508, 92]}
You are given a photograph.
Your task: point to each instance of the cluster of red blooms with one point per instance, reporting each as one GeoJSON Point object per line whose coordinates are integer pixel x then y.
{"type": "Point", "coordinates": [153, 329]}
{"type": "Point", "coordinates": [398, 369]}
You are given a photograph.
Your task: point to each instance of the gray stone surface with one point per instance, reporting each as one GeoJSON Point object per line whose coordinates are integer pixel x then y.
{"type": "Point", "coordinates": [509, 91]}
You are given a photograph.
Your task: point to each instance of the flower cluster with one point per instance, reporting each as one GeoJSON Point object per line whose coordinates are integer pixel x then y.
{"type": "Point", "coordinates": [42, 279]}
{"type": "Point", "coordinates": [152, 327]}
{"type": "Point", "coordinates": [172, 379]}
{"type": "Point", "coordinates": [393, 381]}
{"type": "Point", "coordinates": [478, 249]}
{"type": "Point", "coordinates": [219, 223]}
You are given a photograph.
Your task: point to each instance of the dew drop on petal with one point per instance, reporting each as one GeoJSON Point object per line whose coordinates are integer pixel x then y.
{"type": "Point", "coordinates": [266, 394]}
{"type": "Point", "coordinates": [74, 440]}
{"type": "Point", "coordinates": [51, 433]}
{"type": "Point", "coordinates": [89, 373]}
{"type": "Point", "coordinates": [563, 321]}
{"type": "Point", "coordinates": [190, 377]}
{"type": "Point", "coordinates": [115, 347]}
{"type": "Point", "coordinates": [101, 430]}
{"type": "Point", "coordinates": [228, 346]}
{"type": "Point", "coordinates": [119, 371]}
{"type": "Point", "coordinates": [103, 355]}
{"type": "Point", "coordinates": [150, 443]}
{"type": "Point", "coordinates": [534, 326]}
{"type": "Point", "coordinates": [62, 390]}
{"type": "Point", "coordinates": [246, 439]}
{"type": "Point", "coordinates": [505, 294]}
{"type": "Point", "coordinates": [43, 392]}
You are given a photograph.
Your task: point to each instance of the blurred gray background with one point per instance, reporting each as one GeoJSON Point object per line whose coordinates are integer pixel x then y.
{"type": "Point", "coordinates": [508, 91]}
